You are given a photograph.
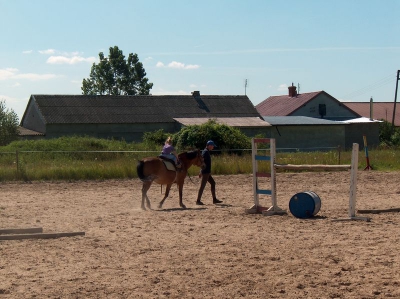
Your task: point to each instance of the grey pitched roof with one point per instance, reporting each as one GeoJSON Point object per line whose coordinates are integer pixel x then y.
{"type": "Point", "coordinates": [26, 132]}
{"type": "Point", "coordinates": [299, 120]}
{"type": "Point", "coordinates": [70, 109]}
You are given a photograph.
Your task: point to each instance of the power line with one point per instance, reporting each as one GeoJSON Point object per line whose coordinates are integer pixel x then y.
{"type": "Point", "coordinates": [372, 86]}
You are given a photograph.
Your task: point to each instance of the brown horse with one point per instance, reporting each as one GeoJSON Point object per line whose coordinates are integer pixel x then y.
{"type": "Point", "coordinates": [153, 169]}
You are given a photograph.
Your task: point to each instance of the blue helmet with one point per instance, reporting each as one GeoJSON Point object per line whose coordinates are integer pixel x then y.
{"type": "Point", "coordinates": [210, 142]}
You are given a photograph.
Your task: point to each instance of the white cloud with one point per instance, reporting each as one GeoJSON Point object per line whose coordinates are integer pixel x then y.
{"type": "Point", "coordinates": [69, 60]}
{"type": "Point", "coordinates": [178, 65]}
{"type": "Point", "coordinates": [8, 99]}
{"type": "Point", "coordinates": [35, 77]}
{"type": "Point", "coordinates": [76, 53]}
{"type": "Point", "coordinates": [282, 87]}
{"type": "Point", "coordinates": [17, 105]}
{"type": "Point", "coordinates": [12, 73]}
{"type": "Point", "coordinates": [191, 66]}
{"type": "Point", "coordinates": [148, 58]}
{"type": "Point", "coordinates": [54, 52]}
{"type": "Point", "coordinates": [48, 52]}
{"type": "Point", "coordinates": [270, 50]}
{"type": "Point", "coordinates": [58, 57]}
{"type": "Point", "coordinates": [7, 73]}
{"type": "Point", "coordinates": [16, 84]}
{"type": "Point", "coordinates": [192, 85]}
{"type": "Point", "coordinates": [27, 52]}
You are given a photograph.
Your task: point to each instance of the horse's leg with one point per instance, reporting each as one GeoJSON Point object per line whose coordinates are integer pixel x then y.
{"type": "Point", "coordinates": [180, 186]}
{"type": "Point", "coordinates": [145, 188]}
{"type": "Point", "coordinates": [167, 189]}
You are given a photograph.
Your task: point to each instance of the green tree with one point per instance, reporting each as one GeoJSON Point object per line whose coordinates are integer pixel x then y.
{"type": "Point", "coordinates": [388, 136]}
{"type": "Point", "coordinates": [8, 124]}
{"type": "Point", "coordinates": [155, 138]}
{"type": "Point", "coordinates": [116, 76]}
{"type": "Point", "coordinates": [226, 137]}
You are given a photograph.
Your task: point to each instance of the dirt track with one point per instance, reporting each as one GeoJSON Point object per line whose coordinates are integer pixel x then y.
{"type": "Point", "coordinates": [201, 252]}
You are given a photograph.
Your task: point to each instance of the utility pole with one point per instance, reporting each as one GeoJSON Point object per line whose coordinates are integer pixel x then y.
{"type": "Point", "coordinates": [371, 109]}
{"type": "Point", "coordinates": [395, 99]}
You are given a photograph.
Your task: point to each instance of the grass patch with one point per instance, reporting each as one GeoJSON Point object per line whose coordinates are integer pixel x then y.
{"type": "Point", "coordinates": [76, 158]}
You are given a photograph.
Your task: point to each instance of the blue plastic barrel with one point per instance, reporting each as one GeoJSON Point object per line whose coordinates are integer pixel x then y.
{"type": "Point", "coordinates": [305, 204]}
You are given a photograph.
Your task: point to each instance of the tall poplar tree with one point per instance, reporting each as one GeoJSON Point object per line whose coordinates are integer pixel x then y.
{"type": "Point", "coordinates": [115, 75]}
{"type": "Point", "coordinates": [8, 124]}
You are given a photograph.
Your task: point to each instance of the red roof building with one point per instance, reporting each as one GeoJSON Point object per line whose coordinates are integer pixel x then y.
{"type": "Point", "coordinates": [380, 110]}
{"type": "Point", "coordinates": [318, 104]}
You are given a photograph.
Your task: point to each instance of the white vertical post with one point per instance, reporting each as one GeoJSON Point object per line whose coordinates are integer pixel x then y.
{"type": "Point", "coordinates": [273, 173]}
{"type": "Point", "coordinates": [353, 181]}
{"type": "Point", "coordinates": [353, 187]}
{"type": "Point", "coordinates": [274, 209]}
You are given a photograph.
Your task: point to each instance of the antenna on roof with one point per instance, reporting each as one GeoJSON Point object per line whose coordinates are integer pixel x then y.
{"type": "Point", "coordinates": [246, 83]}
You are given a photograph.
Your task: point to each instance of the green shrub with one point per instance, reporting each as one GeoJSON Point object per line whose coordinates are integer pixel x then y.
{"type": "Point", "coordinates": [226, 137]}
{"type": "Point", "coordinates": [387, 135]}
{"type": "Point", "coordinates": [155, 138]}
{"type": "Point", "coordinates": [8, 124]}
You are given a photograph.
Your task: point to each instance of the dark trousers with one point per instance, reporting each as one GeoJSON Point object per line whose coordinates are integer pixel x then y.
{"type": "Point", "coordinates": [206, 177]}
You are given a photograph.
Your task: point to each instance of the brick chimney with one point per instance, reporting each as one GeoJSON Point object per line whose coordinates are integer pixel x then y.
{"type": "Point", "coordinates": [196, 93]}
{"type": "Point", "coordinates": [292, 91]}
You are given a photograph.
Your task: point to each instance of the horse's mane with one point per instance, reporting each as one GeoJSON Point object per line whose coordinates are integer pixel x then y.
{"type": "Point", "coordinates": [190, 154]}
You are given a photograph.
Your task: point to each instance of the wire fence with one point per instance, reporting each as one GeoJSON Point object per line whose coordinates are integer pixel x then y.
{"type": "Point", "coordinates": [104, 164]}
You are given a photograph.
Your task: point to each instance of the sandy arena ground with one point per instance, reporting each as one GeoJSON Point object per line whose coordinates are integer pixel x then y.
{"type": "Point", "coordinates": [204, 251]}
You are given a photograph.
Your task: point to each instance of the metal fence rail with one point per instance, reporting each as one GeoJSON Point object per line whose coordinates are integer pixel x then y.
{"type": "Point", "coordinates": [26, 162]}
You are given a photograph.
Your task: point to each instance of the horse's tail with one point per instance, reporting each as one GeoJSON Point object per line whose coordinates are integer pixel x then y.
{"type": "Point", "coordinates": [139, 169]}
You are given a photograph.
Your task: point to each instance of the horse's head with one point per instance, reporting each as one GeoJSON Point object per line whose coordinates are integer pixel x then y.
{"type": "Point", "coordinates": [200, 160]}
{"type": "Point", "coordinates": [193, 158]}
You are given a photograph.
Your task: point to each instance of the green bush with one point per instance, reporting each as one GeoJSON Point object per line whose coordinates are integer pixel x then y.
{"type": "Point", "coordinates": [8, 124]}
{"type": "Point", "coordinates": [226, 137]}
{"type": "Point", "coordinates": [155, 138]}
{"type": "Point", "coordinates": [387, 136]}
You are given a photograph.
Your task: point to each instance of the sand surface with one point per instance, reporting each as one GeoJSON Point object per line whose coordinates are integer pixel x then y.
{"type": "Point", "coordinates": [203, 251]}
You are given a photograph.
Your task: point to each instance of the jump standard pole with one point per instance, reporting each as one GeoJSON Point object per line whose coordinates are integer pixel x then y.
{"type": "Point", "coordinates": [368, 167]}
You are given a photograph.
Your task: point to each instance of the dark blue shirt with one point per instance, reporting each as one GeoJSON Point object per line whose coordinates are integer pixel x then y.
{"type": "Point", "coordinates": [207, 160]}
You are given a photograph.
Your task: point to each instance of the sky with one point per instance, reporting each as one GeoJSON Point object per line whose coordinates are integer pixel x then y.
{"type": "Point", "coordinates": [348, 48]}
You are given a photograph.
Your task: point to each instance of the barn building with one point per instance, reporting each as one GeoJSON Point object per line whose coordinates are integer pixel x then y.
{"type": "Point", "coordinates": [128, 117]}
